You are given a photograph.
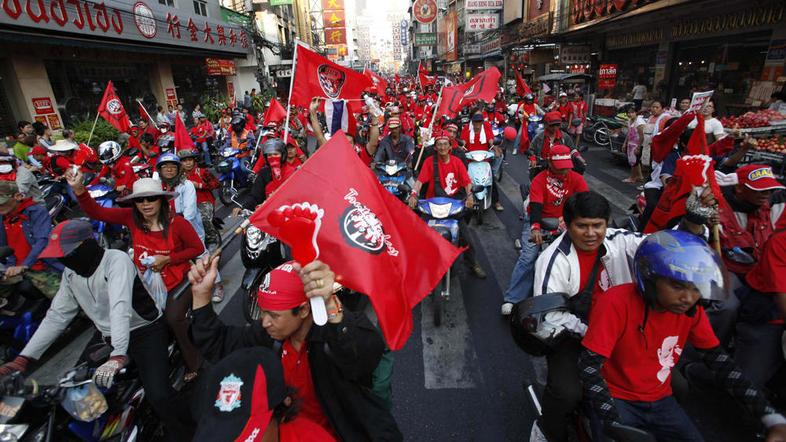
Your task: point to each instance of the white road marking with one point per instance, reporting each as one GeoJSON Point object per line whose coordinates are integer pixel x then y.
{"type": "Point", "coordinates": [615, 197]}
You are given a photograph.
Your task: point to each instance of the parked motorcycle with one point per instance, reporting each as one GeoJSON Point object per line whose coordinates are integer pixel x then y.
{"type": "Point", "coordinates": [442, 214]}
{"type": "Point", "coordinates": [394, 176]}
{"type": "Point", "coordinates": [105, 195]}
{"type": "Point", "coordinates": [234, 173]}
{"type": "Point", "coordinates": [480, 173]}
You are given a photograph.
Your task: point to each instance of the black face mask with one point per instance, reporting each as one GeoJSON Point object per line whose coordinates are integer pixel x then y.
{"type": "Point", "coordinates": [85, 259]}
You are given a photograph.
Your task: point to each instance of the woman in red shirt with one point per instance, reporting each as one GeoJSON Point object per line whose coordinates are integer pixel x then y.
{"type": "Point", "coordinates": [156, 233]}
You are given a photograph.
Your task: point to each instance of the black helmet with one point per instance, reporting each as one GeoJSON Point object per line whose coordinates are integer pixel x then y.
{"type": "Point", "coordinates": [238, 123]}
{"type": "Point", "coordinates": [272, 145]}
{"type": "Point", "coordinates": [527, 323]}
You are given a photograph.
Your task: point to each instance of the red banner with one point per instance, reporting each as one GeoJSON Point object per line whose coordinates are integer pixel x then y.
{"type": "Point", "coordinates": [334, 19]}
{"type": "Point", "coordinates": [336, 36]}
{"type": "Point", "coordinates": [112, 110]}
{"type": "Point", "coordinates": [317, 76]}
{"type": "Point", "coordinates": [43, 106]}
{"type": "Point", "coordinates": [607, 76]}
{"type": "Point", "coordinates": [219, 67]}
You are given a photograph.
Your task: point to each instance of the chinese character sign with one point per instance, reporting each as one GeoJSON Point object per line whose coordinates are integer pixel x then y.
{"type": "Point", "coordinates": [336, 36]}
{"type": "Point", "coordinates": [482, 22]}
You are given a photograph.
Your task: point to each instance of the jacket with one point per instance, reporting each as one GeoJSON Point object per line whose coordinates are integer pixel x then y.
{"type": "Point", "coordinates": [536, 146]}
{"type": "Point", "coordinates": [342, 358]}
{"type": "Point", "coordinates": [185, 204]}
{"type": "Point", "coordinates": [114, 298]}
{"type": "Point", "coordinates": [36, 227]}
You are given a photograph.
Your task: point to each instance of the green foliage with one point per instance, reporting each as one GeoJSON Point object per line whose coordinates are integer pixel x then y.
{"type": "Point", "coordinates": [212, 106]}
{"type": "Point", "coordinates": [103, 131]}
{"type": "Point", "coordinates": [259, 100]}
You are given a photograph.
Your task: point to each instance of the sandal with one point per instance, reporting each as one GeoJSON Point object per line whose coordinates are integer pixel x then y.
{"type": "Point", "coordinates": [629, 181]}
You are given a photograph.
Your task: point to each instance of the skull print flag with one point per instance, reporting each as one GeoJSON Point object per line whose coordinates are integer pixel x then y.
{"type": "Point", "coordinates": [112, 110]}
{"type": "Point", "coordinates": [316, 76]}
{"type": "Point", "coordinates": [365, 234]}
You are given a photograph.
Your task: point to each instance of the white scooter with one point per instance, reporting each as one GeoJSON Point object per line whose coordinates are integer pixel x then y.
{"type": "Point", "coordinates": [480, 174]}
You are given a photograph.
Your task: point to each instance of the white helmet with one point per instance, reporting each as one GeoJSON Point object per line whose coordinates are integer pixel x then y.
{"type": "Point", "coordinates": [109, 152]}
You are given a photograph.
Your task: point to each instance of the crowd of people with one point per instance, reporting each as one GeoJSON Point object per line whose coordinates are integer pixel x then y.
{"type": "Point", "coordinates": [707, 284]}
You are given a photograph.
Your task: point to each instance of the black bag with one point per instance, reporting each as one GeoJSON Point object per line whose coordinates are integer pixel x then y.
{"type": "Point", "coordinates": [526, 341]}
{"type": "Point", "coordinates": [522, 328]}
{"type": "Point", "coordinates": [580, 304]}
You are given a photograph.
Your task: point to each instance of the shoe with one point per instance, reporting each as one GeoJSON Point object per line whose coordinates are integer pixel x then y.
{"type": "Point", "coordinates": [640, 187]}
{"type": "Point", "coordinates": [507, 308]}
{"type": "Point", "coordinates": [218, 293]}
{"type": "Point", "coordinates": [478, 271]}
{"type": "Point", "coordinates": [517, 244]}
{"type": "Point", "coordinates": [498, 207]}
{"type": "Point", "coordinates": [515, 152]}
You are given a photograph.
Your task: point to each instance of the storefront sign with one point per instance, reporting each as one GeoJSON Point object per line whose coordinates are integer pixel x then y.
{"type": "Point", "coordinates": [477, 5]}
{"type": "Point", "coordinates": [328, 5]}
{"type": "Point", "coordinates": [170, 94]}
{"type": "Point", "coordinates": [582, 11]}
{"type": "Point", "coordinates": [632, 39]}
{"type": "Point", "coordinates": [481, 22]}
{"type": "Point", "coordinates": [777, 52]}
{"type": "Point", "coordinates": [727, 23]}
{"type": "Point", "coordinates": [230, 89]}
{"type": "Point", "coordinates": [220, 68]}
{"type": "Point", "coordinates": [471, 49]}
{"type": "Point", "coordinates": [43, 106]}
{"type": "Point", "coordinates": [698, 100]}
{"type": "Point", "coordinates": [537, 8]}
{"type": "Point", "coordinates": [139, 21]}
{"type": "Point", "coordinates": [404, 33]}
{"type": "Point", "coordinates": [285, 70]}
{"type": "Point", "coordinates": [535, 28]}
{"type": "Point", "coordinates": [574, 54]}
{"type": "Point", "coordinates": [425, 11]}
{"type": "Point", "coordinates": [336, 36]}
{"type": "Point", "coordinates": [491, 46]}
{"type": "Point", "coordinates": [53, 121]}
{"type": "Point", "coordinates": [426, 39]}
{"type": "Point", "coordinates": [447, 33]}
{"type": "Point", "coordinates": [280, 2]}
{"type": "Point", "coordinates": [607, 76]}
{"type": "Point", "coordinates": [334, 19]}
{"type": "Point", "coordinates": [235, 18]}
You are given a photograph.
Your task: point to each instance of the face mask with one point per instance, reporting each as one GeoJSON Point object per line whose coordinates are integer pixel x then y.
{"type": "Point", "coordinates": [85, 259]}
{"type": "Point", "coordinates": [6, 168]}
{"type": "Point", "coordinates": [275, 166]}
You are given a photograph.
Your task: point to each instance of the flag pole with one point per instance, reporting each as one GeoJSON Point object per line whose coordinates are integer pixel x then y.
{"type": "Point", "coordinates": [149, 118]}
{"type": "Point", "coordinates": [90, 138]}
{"type": "Point", "coordinates": [430, 127]}
{"type": "Point", "coordinates": [289, 98]}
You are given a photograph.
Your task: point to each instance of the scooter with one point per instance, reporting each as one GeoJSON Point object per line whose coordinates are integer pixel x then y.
{"type": "Point", "coordinates": [233, 174]}
{"type": "Point", "coordinates": [22, 314]}
{"type": "Point", "coordinates": [480, 173]}
{"type": "Point", "coordinates": [393, 176]}
{"type": "Point", "coordinates": [534, 125]}
{"type": "Point", "coordinates": [442, 214]}
{"type": "Point", "coordinates": [105, 195]}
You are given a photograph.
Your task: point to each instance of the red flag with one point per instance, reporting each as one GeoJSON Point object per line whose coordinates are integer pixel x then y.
{"type": "Point", "coordinates": [379, 82]}
{"type": "Point", "coordinates": [424, 78]}
{"type": "Point", "coordinates": [111, 110]}
{"type": "Point", "coordinates": [142, 112]}
{"type": "Point", "coordinates": [692, 171]}
{"type": "Point", "coordinates": [483, 86]}
{"type": "Point", "coordinates": [317, 76]}
{"type": "Point", "coordinates": [183, 140]}
{"type": "Point", "coordinates": [521, 86]}
{"type": "Point", "coordinates": [664, 141]}
{"type": "Point", "coordinates": [697, 145]}
{"type": "Point", "coordinates": [275, 113]}
{"type": "Point", "coordinates": [721, 147]}
{"type": "Point", "coordinates": [364, 233]}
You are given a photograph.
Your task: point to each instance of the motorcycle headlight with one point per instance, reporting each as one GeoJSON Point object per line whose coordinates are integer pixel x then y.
{"type": "Point", "coordinates": [439, 210]}
{"type": "Point", "coordinates": [227, 152]}
{"type": "Point", "coordinates": [224, 167]}
{"type": "Point", "coordinates": [12, 433]}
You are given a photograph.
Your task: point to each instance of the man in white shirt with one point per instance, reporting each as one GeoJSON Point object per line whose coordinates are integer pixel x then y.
{"type": "Point", "coordinates": [639, 91]}
{"type": "Point", "coordinates": [712, 126]}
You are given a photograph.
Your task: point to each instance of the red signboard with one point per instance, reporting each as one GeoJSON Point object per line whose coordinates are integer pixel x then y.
{"type": "Point", "coordinates": [587, 10]}
{"type": "Point", "coordinates": [334, 19]}
{"type": "Point", "coordinates": [329, 5]}
{"type": "Point", "coordinates": [220, 68]}
{"type": "Point", "coordinates": [43, 106]}
{"type": "Point", "coordinates": [425, 11]}
{"type": "Point", "coordinates": [170, 94]}
{"type": "Point", "coordinates": [607, 76]}
{"type": "Point", "coordinates": [336, 36]}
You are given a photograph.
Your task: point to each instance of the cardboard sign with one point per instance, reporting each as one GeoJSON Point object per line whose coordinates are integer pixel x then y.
{"type": "Point", "coordinates": [43, 106]}
{"type": "Point", "coordinates": [698, 100]}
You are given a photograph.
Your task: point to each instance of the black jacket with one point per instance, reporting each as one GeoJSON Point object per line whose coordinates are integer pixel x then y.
{"type": "Point", "coordinates": [342, 357]}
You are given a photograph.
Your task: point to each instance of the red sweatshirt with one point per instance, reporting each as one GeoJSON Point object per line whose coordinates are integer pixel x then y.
{"type": "Point", "coordinates": [205, 183]}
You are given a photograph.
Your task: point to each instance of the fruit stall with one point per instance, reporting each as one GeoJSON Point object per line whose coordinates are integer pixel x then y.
{"type": "Point", "coordinates": [769, 129]}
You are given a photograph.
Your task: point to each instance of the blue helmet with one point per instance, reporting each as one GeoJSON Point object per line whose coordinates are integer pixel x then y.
{"type": "Point", "coordinates": [680, 256]}
{"type": "Point", "coordinates": [167, 158]}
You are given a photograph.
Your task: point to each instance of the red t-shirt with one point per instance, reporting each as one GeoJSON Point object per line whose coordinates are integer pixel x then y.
{"type": "Point", "coordinates": [297, 374]}
{"type": "Point", "coordinates": [452, 175]}
{"type": "Point", "coordinates": [769, 274]}
{"type": "Point", "coordinates": [639, 361]}
{"type": "Point", "coordinates": [552, 191]}
{"type": "Point", "coordinates": [123, 173]}
{"type": "Point", "coordinates": [363, 154]}
{"type": "Point", "coordinates": [565, 111]}
{"type": "Point", "coordinates": [475, 143]}
{"type": "Point", "coordinates": [301, 429]}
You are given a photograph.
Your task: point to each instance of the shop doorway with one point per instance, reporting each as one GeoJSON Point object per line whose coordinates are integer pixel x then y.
{"type": "Point", "coordinates": [7, 121]}
{"type": "Point", "coordinates": [195, 86]}
{"type": "Point", "coordinates": [634, 64]}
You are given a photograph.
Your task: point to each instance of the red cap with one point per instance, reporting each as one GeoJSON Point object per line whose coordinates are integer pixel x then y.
{"type": "Point", "coordinates": [441, 135]}
{"type": "Point", "coordinates": [560, 157]}
{"type": "Point", "coordinates": [281, 289]}
{"type": "Point", "coordinates": [66, 237]}
{"type": "Point", "coordinates": [552, 118]}
{"type": "Point", "coordinates": [453, 126]}
{"type": "Point", "coordinates": [38, 150]}
{"type": "Point", "coordinates": [758, 177]}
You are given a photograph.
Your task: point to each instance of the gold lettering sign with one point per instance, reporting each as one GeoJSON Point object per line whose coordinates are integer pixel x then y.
{"type": "Point", "coordinates": [737, 21]}
{"type": "Point", "coordinates": [630, 39]}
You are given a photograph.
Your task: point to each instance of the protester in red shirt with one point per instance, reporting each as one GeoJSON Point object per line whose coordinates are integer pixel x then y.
{"type": "Point", "coordinates": [146, 128]}
{"type": "Point", "coordinates": [158, 234]}
{"type": "Point", "coordinates": [250, 124]}
{"type": "Point", "coordinates": [204, 183]}
{"type": "Point", "coordinates": [202, 133]}
{"type": "Point", "coordinates": [564, 107]}
{"type": "Point", "coordinates": [148, 152]}
{"type": "Point", "coordinates": [365, 152]}
{"type": "Point", "coordinates": [478, 135]}
{"type": "Point", "coordinates": [326, 365]}
{"type": "Point", "coordinates": [40, 154]}
{"type": "Point", "coordinates": [637, 333]}
{"type": "Point", "coordinates": [116, 165]}
{"type": "Point", "coordinates": [63, 157]}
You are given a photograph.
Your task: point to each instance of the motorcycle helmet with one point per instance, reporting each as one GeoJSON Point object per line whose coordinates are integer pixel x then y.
{"type": "Point", "coordinates": [187, 153]}
{"type": "Point", "coordinates": [680, 256]}
{"type": "Point", "coordinates": [529, 98]}
{"type": "Point", "coordinates": [273, 145]}
{"type": "Point", "coordinates": [529, 329]}
{"type": "Point", "coordinates": [167, 158]}
{"type": "Point", "coordinates": [163, 127]}
{"type": "Point", "coordinates": [109, 152]}
{"type": "Point", "coordinates": [238, 124]}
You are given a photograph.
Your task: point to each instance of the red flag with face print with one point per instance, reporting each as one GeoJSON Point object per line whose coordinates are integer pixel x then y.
{"type": "Point", "coordinates": [112, 110]}
{"type": "Point", "coordinates": [376, 244]}
{"type": "Point", "coordinates": [316, 76]}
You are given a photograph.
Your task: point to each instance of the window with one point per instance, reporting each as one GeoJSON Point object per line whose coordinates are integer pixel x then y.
{"type": "Point", "coordinates": [200, 8]}
{"type": "Point", "coordinates": [170, 3]}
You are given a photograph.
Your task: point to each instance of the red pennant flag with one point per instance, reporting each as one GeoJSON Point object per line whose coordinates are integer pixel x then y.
{"type": "Point", "coordinates": [692, 171]}
{"type": "Point", "coordinates": [697, 145]}
{"type": "Point", "coordinates": [317, 76]}
{"type": "Point", "coordinates": [112, 110]}
{"type": "Point", "coordinates": [364, 233]}
{"type": "Point", "coordinates": [521, 86]}
{"type": "Point", "coordinates": [379, 82]}
{"type": "Point", "coordinates": [183, 140]}
{"type": "Point", "coordinates": [275, 113]}
{"type": "Point", "coordinates": [664, 141]}
{"type": "Point", "coordinates": [483, 86]}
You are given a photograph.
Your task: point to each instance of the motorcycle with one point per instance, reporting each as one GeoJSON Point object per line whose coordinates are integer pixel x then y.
{"type": "Point", "coordinates": [534, 125]}
{"type": "Point", "coordinates": [234, 173]}
{"type": "Point", "coordinates": [166, 143]}
{"type": "Point", "coordinates": [442, 214]}
{"type": "Point", "coordinates": [22, 314]}
{"type": "Point", "coordinates": [480, 173]}
{"type": "Point", "coordinates": [393, 176]}
{"type": "Point", "coordinates": [632, 221]}
{"type": "Point", "coordinates": [260, 254]}
{"type": "Point", "coordinates": [105, 195]}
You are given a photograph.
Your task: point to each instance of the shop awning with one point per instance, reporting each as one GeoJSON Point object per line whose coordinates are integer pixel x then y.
{"type": "Point", "coordinates": [565, 77]}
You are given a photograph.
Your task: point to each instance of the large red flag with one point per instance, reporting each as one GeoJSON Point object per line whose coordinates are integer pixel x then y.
{"type": "Point", "coordinates": [275, 113]}
{"type": "Point", "coordinates": [424, 78]}
{"type": "Point", "coordinates": [483, 86]}
{"type": "Point", "coordinates": [664, 141]}
{"type": "Point", "coordinates": [112, 110]}
{"type": "Point", "coordinates": [366, 235]}
{"type": "Point", "coordinates": [183, 140]}
{"type": "Point", "coordinates": [521, 86]}
{"type": "Point", "coordinates": [379, 82]}
{"type": "Point", "coordinates": [317, 76]}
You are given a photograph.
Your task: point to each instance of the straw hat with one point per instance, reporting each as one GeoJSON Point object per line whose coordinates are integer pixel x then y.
{"type": "Point", "coordinates": [64, 146]}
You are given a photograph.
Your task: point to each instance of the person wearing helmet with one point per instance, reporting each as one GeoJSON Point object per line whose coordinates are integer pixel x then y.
{"type": "Point", "coordinates": [24, 178]}
{"type": "Point", "coordinates": [240, 137]}
{"type": "Point", "coordinates": [204, 183]}
{"type": "Point", "coordinates": [275, 171]}
{"type": "Point", "coordinates": [584, 262]}
{"type": "Point", "coordinates": [638, 331]}
{"type": "Point", "coordinates": [116, 165]}
{"type": "Point", "coordinates": [184, 203]}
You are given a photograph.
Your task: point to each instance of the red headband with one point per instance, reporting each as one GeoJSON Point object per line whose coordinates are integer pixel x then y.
{"type": "Point", "coordinates": [281, 289]}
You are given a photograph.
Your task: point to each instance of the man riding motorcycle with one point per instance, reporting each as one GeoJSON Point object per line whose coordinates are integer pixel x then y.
{"type": "Point", "coordinates": [479, 136]}
{"type": "Point", "coordinates": [396, 146]}
{"type": "Point", "coordinates": [551, 136]}
{"type": "Point", "coordinates": [116, 165]}
{"type": "Point", "coordinates": [240, 137]}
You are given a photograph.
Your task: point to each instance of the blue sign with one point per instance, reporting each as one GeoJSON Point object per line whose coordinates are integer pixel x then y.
{"type": "Point", "coordinates": [404, 32]}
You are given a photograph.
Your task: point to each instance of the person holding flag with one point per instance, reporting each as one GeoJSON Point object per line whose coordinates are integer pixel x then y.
{"type": "Point", "coordinates": [395, 146]}
{"type": "Point", "coordinates": [526, 109]}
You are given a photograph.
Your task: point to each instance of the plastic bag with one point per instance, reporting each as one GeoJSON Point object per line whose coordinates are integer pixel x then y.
{"type": "Point", "coordinates": [154, 283]}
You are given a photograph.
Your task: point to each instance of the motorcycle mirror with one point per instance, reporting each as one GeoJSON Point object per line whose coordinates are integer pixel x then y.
{"type": "Point", "coordinates": [739, 256]}
{"type": "Point", "coordinates": [549, 223]}
{"type": "Point", "coordinates": [404, 188]}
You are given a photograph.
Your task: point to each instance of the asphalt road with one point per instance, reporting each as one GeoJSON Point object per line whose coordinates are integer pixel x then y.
{"type": "Point", "coordinates": [464, 381]}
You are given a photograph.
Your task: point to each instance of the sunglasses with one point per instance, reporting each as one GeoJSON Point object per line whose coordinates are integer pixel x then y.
{"type": "Point", "coordinates": [147, 199]}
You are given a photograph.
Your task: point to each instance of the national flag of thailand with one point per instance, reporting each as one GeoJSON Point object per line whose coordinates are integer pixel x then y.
{"type": "Point", "coordinates": [375, 244]}
{"type": "Point", "coordinates": [112, 110]}
{"type": "Point", "coordinates": [339, 117]}
{"type": "Point", "coordinates": [316, 76]}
